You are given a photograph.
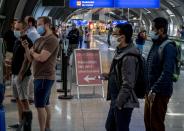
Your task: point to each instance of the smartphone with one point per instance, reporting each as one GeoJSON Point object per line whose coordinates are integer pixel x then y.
{"type": "Point", "coordinates": [101, 77]}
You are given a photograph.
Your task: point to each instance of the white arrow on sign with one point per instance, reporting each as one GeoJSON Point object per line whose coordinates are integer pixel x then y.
{"type": "Point", "coordinates": [87, 78]}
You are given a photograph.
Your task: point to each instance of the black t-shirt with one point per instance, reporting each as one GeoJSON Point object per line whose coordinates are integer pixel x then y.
{"type": "Point", "coordinates": [9, 39]}
{"type": "Point", "coordinates": [18, 57]}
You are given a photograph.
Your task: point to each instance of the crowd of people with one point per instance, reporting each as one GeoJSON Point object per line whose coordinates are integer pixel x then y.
{"type": "Point", "coordinates": [32, 50]}
{"type": "Point", "coordinates": [125, 70]}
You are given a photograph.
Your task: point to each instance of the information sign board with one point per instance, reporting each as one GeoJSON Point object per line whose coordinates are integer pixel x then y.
{"type": "Point", "coordinates": [88, 67]}
{"type": "Point", "coordinates": [114, 3]}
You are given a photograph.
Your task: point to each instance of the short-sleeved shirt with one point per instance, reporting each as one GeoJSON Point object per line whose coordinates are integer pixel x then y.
{"type": "Point", "coordinates": [18, 57]}
{"type": "Point", "coordinates": [46, 70]}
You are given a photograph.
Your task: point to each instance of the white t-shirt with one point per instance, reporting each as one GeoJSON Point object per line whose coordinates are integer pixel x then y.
{"type": "Point", "coordinates": [33, 34]}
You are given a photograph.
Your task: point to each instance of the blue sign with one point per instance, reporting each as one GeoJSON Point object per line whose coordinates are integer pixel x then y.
{"type": "Point", "coordinates": [137, 3]}
{"type": "Point", "coordinates": [91, 3]}
{"type": "Point", "coordinates": [116, 22]}
{"type": "Point", "coordinates": [114, 3]}
{"type": "Point", "coordinates": [79, 22]}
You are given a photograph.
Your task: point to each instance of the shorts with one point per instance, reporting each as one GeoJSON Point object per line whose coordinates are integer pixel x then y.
{"type": "Point", "coordinates": [42, 91]}
{"type": "Point", "coordinates": [20, 89]}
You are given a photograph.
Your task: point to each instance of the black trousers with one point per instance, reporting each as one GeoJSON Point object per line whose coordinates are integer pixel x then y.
{"type": "Point", "coordinates": [118, 120]}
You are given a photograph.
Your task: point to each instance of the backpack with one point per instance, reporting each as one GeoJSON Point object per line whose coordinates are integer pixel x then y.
{"type": "Point", "coordinates": [178, 57]}
{"type": "Point", "coordinates": [140, 84]}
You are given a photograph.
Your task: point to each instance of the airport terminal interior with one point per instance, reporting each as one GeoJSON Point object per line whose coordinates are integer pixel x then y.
{"type": "Point", "coordinates": [83, 105]}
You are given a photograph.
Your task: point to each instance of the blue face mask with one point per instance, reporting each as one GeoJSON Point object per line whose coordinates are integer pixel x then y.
{"type": "Point", "coordinates": [17, 34]}
{"type": "Point", "coordinates": [41, 30]}
{"type": "Point", "coordinates": [154, 35]}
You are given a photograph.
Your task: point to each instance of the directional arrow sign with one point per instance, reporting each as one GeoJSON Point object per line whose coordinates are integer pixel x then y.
{"type": "Point", "coordinates": [87, 78]}
{"type": "Point", "coordinates": [88, 67]}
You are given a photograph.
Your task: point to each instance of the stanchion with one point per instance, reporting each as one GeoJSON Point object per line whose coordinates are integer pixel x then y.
{"type": "Point", "coordinates": [62, 70]}
{"type": "Point", "coordinates": [65, 81]}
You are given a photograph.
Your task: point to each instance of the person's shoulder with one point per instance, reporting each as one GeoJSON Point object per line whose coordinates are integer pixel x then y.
{"type": "Point", "coordinates": [170, 47]}
{"type": "Point", "coordinates": [52, 39]}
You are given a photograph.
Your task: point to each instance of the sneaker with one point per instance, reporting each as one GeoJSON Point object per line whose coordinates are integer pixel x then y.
{"type": "Point", "coordinates": [14, 126]}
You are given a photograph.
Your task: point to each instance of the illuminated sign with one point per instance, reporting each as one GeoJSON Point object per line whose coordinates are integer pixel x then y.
{"type": "Point", "coordinates": [91, 3]}
{"type": "Point", "coordinates": [114, 3]}
{"type": "Point", "coordinates": [137, 3]}
{"type": "Point", "coordinates": [115, 22]}
{"type": "Point", "coordinates": [79, 22]}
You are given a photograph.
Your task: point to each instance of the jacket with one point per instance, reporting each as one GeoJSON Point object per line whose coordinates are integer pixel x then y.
{"type": "Point", "coordinates": [120, 88]}
{"type": "Point", "coordinates": [160, 72]}
{"type": "Point", "coordinates": [73, 36]}
{"type": "Point", "coordinates": [140, 40]}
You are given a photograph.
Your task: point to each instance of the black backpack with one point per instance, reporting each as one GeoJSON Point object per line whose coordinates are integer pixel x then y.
{"type": "Point", "coordinates": [140, 85]}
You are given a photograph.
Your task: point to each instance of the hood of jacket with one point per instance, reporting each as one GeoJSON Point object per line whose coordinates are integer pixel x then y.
{"type": "Point", "coordinates": [120, 52]}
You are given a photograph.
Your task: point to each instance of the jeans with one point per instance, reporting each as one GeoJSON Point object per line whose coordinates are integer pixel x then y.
{"type": "Point", "coordinates": [80, 42]}
{"type": "Point", "coordinates": [42, 91]}
{"type": "Point", "coordinates": [154, 113]}
{"type": "Point", "coordinates": [140, 48]}
{"type": "Point", "coordinates": [109, 40]}
{"type": "Point", "coordinates": [118, 120]}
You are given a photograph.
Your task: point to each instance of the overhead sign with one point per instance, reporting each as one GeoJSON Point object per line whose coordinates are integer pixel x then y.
{"type": "Point", "coordinates": [114, 3]}
{"type": "Point", "coordinates": [116, 22]}
{"type": "Point", "coordinates": [91, 3]}
{"type": "Point", "coordinates": [137, 3]}
{"type": "Point", "coordinates": [79, 22]}
{"type": "Point", "coordinates": [88, 67]}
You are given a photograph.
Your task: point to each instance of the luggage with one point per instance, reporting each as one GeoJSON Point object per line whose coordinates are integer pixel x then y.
{"type": "Point", "coordinates": [2, 119]}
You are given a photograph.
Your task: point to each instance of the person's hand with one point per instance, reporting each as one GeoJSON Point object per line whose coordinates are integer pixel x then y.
{"type": "Point", "coordinates": [31, 51]}
{"type": "Point", "coordinates": [151, 96]}
{"type": "Point", "coordinates": [25, 44]}
{"type": "Point", "coordinates": [20, 77]}
{"type": "Point", "coordinates": [105, 76]}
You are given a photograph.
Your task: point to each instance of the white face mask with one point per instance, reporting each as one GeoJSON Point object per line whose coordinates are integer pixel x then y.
{"type": "Point", "coordinates": [117, 40]}
{"type": "Point", "coordinates": [17, 34]}
{"type": "Point", "coordinates": [154, 35]}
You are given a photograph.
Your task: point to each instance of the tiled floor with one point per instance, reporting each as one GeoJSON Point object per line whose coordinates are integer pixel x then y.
{"type": "Point", "coordinates": [89, 113]}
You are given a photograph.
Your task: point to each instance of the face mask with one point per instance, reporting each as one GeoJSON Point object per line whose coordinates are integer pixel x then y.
{"type": "Point", "coordinates": [17, 34]}
{"type": "Point", "coordinates": [154, 35]}
{"type": "Point", "coordinates": [117, 39]}
{"type": "Point", "coordinates": [41, 30]}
